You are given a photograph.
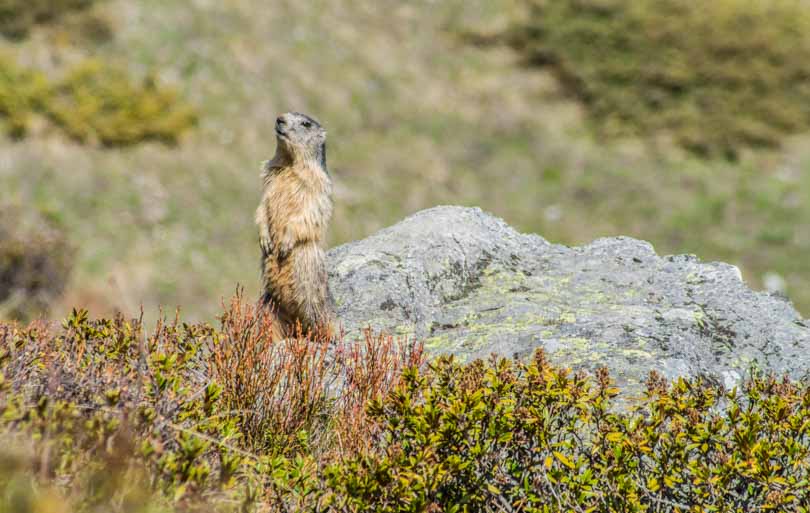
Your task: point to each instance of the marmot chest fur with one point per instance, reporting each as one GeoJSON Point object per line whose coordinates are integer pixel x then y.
{"type": "Point", "coordinates": [293, 216]}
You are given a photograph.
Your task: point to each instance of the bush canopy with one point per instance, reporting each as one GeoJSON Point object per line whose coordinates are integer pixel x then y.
{"type": "Point", "coordinates": [715, 76]}
{"type": "Point", "coordinates": [195, 418]}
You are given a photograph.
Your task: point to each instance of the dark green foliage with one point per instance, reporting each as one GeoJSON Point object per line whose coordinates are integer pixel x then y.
{"type": "Point", "coordinates": [94, 103]}
{"type": "Point", "coordinates": [715, 76]}
{"type": "Point", "coordinates": [35, 263]}
{"type": "Point", "coordinates": [18, 16]}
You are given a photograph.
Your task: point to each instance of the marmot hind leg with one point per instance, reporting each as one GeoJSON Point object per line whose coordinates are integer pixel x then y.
{"type": "Point", "coordinates": [311, 288]}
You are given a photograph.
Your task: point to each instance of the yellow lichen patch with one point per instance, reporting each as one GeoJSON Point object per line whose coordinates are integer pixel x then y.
{"type": "Point", "coordinates": [636, 353]}
{"type": "Point", "coordinates": [568, 317]}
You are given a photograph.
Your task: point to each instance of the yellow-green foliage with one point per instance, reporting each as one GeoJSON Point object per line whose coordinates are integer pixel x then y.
{"type": "Point", "coordinates": [95, 102]}
{"type": "Point", "coordinates": [18, 16]}
{"type": "Point", "coordinates": [716, 76]}
{"type": "Point", "coordinates": [539, 438]}
{"type": "Point", "coordinates": [21, 92]}
{"type": "Point", "coordinates": [100, 396]}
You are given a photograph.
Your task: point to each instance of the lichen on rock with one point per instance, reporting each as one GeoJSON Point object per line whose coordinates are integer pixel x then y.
{"type": "Point", "coordinates": [466, 283]}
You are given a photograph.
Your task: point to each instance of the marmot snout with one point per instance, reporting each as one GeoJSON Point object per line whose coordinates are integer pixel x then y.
{"type": "Point", "coordinates": [293, 215]}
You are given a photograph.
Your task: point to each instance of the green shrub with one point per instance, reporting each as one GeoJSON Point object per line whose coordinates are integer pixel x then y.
{"type": "Point", "coordinates": [715, 76]}
{"type": "Point", "coordinates": [107, 409]}
{"type": "Point", "coordinates": [21, 92]}
{"type": "Point", "coordinates": [536, 438]}
{"type": "Point", "coordinates": [18, 16]}
{"type": "Point", "coordinates": [98, 102]}
{"type": "Point", "coordinates": [35, 263]}
{"type": "Point", "coordinates": [94, 103]}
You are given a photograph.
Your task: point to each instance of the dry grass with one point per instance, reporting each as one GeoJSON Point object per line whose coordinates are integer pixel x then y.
{"type": "Point", "coordinates": [278, 386]}
{"type": "Point", "coordinates": [311, 385]}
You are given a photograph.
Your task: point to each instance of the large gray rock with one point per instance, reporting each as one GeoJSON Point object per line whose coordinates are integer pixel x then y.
{"type": "Point", "coordinates": [466, 283]}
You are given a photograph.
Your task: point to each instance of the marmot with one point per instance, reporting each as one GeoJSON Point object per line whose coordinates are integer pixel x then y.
{"type": "Point", "coordinates": [293, 215]}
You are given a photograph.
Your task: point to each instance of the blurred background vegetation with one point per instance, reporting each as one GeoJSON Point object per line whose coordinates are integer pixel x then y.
{"type": "Point", "coordinates": [133, 132]}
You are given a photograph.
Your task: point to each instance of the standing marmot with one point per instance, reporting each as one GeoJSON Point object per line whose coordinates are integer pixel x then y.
{"type": "Point", "coordinates": [293, 215]}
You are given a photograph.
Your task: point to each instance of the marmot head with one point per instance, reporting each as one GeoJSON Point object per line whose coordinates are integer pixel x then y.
{"type": "Point", "coordinates": [301, 138]}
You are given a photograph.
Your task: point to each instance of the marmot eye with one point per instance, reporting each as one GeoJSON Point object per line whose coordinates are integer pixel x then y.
{"type": "Point", "coordinates": [307, 124]}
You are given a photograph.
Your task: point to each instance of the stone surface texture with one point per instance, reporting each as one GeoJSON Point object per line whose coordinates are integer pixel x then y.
{"type": "Point", "coordinates": [464, 282]}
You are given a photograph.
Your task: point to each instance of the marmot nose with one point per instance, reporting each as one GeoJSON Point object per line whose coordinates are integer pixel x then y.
{"type": "Point", "coordinates": [281, 126]}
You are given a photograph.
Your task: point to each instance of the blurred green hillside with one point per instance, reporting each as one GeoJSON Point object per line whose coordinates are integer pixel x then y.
{"type": "Point", "coordinates": [425, 102]}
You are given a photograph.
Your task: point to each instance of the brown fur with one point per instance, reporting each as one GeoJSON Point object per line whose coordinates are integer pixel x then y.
{"type": "Point", "coordinates": [293, 215]}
